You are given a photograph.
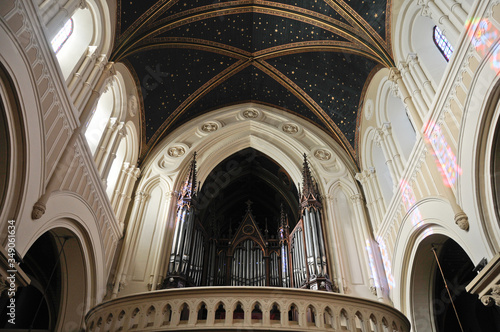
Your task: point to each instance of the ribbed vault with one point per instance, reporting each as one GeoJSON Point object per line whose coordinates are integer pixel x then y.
{"type": "Point", "coordinates": [311, 58]}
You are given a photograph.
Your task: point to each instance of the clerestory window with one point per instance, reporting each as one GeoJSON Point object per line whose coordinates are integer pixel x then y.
{"type": "Point", "coordinates": [62, 36]}
{"type": "Point", "coordinates": [442, 43]}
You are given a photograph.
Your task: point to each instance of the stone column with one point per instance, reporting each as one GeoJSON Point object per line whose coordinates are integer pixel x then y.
{"type": "Point", "coordinates": [104, 143]}
{"type": "Point", "coordinates": [375, 204]}
{"type": "Point", "coordinates": [380, 141]}
{"type": "Point", "coordinates": [130, 241]}
{"type": "Point", "coordinates": [161, 253]}
{"type": "Point", "coordinates": [123, 191]}
{"type": "Point", "coordinates": [395, 155]}
{"type": "Point", "coordinates": [423, 81]}
{"type": "Point", "coordinates": [330, 234]}
{"type": "Point", "coordinates": [359, 212]}
{"type": "Point", "coordinates": [87, 85]}
{"type": "Point", "coordinates": [416, 94]}
{"type": "Point", "coordinates": [80, 72]}
{"type": "Point", "coordinates": [400, 89]}
{"type": "Point", "coordinates": [121, 133]}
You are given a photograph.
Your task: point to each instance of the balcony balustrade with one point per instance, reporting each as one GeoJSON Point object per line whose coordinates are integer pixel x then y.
{"type": "Point", "coordinates": [244, 308]}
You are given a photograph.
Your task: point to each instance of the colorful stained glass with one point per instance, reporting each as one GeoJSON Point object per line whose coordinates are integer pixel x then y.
{"type": "Point", "coordinates": [62, 36]}
{"type": "Point", "coordinates": [442, 43]}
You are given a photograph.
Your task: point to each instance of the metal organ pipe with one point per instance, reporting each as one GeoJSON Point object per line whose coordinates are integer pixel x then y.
{"type": "Point", "coordinates": [254, 268]}
{"type": "Point", "coordinates": [174, 256]}
{"type": "Point", "coordinates": [178, 226]}
{"type": "Point", "coordinates": [296, 263]}
{"type": "Point", "coordinates": [182, 239]}
{"type": "Point", "coordinates": [247, 262]}
{"type": "Point", "coordinates": [301, 256]}
{"type": "Point", "coordinates": [263, 269]}
{"type": "Point", "coordinates": [240, 267]}
{"type": "Point", "coordinates": [294, 257]}
{"type": "Point", "coordinates": [200, 261]}
{"type": "Point", "coordinates": [233, 270]}
{"type": "Point", "coordinates": [309, 244]}
{"type": "Point", "coordinates": [211, 264]}
{"type": "Point", "coordinates": [315, 243]}
{"type": "Point", "coordinates": [187, 244]}
{"type": "Point", "coordinates": [321, 242]}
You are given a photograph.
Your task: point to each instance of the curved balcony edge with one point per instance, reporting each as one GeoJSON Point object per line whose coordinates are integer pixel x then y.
{"type": "Point", "coordinates": [249, 308]}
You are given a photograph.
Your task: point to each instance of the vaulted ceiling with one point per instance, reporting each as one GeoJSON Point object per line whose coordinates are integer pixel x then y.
{"type": "Point", "coordinates": [311, 58]}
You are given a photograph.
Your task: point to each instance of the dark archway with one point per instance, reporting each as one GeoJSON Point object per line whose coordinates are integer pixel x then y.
{"type": "Point", "coordinates": [248, 175]}
{"type": "Point", "coordinates": [38, 304]}
{"type": "Point", "coordinates": [432, 308]}
{"type": "Point", "coordinates": [57, 297]}
{"type": "Point", "coordinates": [457, 269]}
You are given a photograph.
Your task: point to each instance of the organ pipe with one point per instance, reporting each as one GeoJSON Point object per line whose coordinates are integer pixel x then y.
{"type": "Point", "coordinates": [248, 257]}
{"type": "Point", "coordinates": [180, 259]}
{"type": "Point", "coordinates": [310, 210]}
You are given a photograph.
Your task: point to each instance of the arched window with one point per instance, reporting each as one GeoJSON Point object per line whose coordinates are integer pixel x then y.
{"type": "Point", "coordinates": [202, 312]}
{"type": "Point", "coordinates": [442, 43]}
{"type": "Point", "coordinates": [62, 36]}
{"type": "Point", "coordinates": [220, 313]}
{"type": "Point", "coordinates": [184, 313]}
{"type": "Point", "coordinates": [167, 315]}
{"type": "Point", "coordinates": [275, 313]}
{"type": "Point", "coordinates": [238, 313]}
{"type": "Point", "coordinates": [293, 314]}
{"type": "Point", "coordinates": [311, 316]}
{"type": "Point", "coordinates": [329, 318]}
{"type": "Point", "coordinates": [256, 312]}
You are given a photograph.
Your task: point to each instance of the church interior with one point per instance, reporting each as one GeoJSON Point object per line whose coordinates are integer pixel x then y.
{"type": "Point", "coordinates": [250, 165]}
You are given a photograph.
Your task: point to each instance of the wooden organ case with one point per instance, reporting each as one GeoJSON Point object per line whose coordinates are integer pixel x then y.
{"type": "Point", "coordinates": [200, 256]}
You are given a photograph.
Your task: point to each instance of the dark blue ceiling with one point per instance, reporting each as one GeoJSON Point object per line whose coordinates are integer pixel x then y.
{"type": "Point", "coordinates": [311, 58]}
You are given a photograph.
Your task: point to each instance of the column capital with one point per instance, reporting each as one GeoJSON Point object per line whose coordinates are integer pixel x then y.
{"type": "Point", "coordinates": [92, 51]}
{"type": "Point", "coordinates": [122, 131]}
{"type": "Point", "coordinates": [394, 74]}
{"type": "Point", "coordinates": [361, 177]}
{"type": "Point", "coordinates": [403, 67]}
{"type": "Point", "coordinates": [412, 58]}
{"type": "Point", "coordinates": [141, 196]}
{"type": "Point", "coordinates": [425, 7]}
{"type": "Point", "coordinates": [378, 138]}
{"type": "Point", "coordinates": [357, 198]}
{"type": "Point", "coordinates": [386, 128]}
{"type": "Point", "coordinates": [82, 4]}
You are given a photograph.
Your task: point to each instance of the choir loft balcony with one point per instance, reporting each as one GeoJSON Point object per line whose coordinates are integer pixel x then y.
{"type": "Point", "coordinates": [244, 308]}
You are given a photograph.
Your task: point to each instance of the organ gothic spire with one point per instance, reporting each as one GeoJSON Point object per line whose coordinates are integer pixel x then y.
{"type": "Point", "coordinates": [188, 192]}
{"type": "Point", "coordinates": [310, 193]}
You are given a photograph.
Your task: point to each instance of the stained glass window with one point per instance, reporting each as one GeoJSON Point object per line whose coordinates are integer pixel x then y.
{"type": "Point", "coordinates": [442, 43]}
{"type": "Point", "coordinates": [62, 36]}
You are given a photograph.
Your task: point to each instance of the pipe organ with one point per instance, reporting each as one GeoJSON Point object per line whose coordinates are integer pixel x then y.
{"type": "Point", "coordinates": [202, 257]}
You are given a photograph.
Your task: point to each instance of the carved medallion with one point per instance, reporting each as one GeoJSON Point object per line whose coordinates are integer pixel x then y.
{"type": "Point", "coordinates": [250, 113]}
{"type": "Point", "coordinates": [176, 151]}
{"type": "Point", "coordinates": [322, 154]}
{"type": "Point", "coordinates": [290, 128]}
{"type": "Point", "coordinates": [132, 105]}
{"type": "Point", "coordinates": [248, 229]}
{"type": "Point", "coordinates": [369, 109]}
{"type": "Point", "coordinates": [209, 127]}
